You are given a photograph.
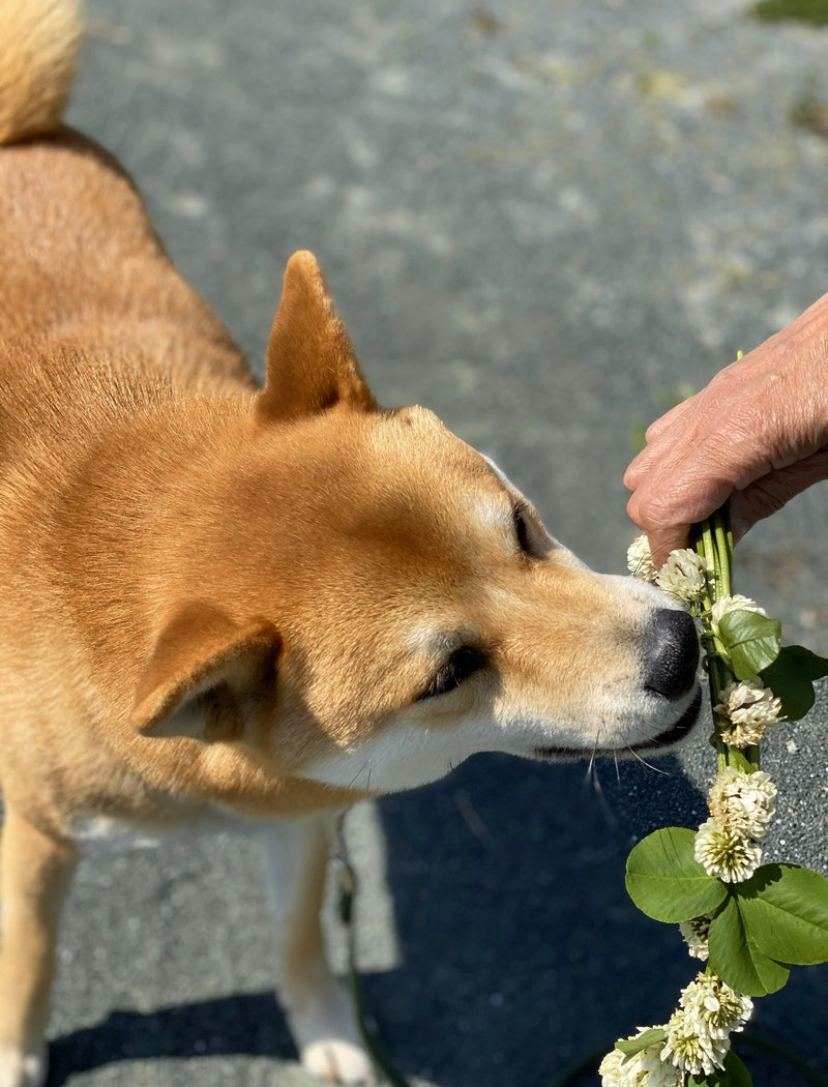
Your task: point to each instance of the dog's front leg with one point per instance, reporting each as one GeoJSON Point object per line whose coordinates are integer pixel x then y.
{"type": "Point", "coordinates": [317, 1008]}
{"type": "Point", "coordinates": [34, 875]}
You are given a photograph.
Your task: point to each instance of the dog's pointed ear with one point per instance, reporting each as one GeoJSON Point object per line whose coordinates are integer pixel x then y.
{"type": "Point", "coordinates": [204, 670]}
{"type": "Point", "coordinates": [311, 365]}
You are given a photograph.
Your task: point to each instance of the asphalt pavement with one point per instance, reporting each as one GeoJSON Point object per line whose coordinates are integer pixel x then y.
{"type": "Point", "coordinates": [544, 220]}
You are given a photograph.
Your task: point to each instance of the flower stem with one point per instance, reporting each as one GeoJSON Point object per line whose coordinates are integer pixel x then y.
{"type": "Point", "coordinates": [715, 545]}
{"type": "Point", "coordinates": [714, 542]}
{"type": "Point", "coordinates": [711, 556]}
{"type": "Point", "coordinates": [724, 547]}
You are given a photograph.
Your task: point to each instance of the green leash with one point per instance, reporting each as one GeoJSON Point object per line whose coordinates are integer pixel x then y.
{"type": "Point", "coordinates": [338, 855]}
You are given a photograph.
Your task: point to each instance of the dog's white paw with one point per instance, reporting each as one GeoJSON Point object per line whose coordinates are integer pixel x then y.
{"type": "Point", "coordinates": [336, 1061]}
{"type": "Point", "coordinates": [328, 1039]}
{"type": "Point", "coordinates": [20, 1069]}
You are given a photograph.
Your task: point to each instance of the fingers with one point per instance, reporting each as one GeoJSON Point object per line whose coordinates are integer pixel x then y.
{"type": "Point", "coordinates": [667, 514]}
{"type": "Point", "coordinates": [670, 418]}
{"type": "Point", "coordinates": [659, 436]}
{"type": "Point", "coordinates": [667, 530]}
{"type": "Point", "coordinates": [677, 427]}
{"type": "Point", "coordinates": [662, 542]}
{"type": "Point", "coordinates": [772, 492]}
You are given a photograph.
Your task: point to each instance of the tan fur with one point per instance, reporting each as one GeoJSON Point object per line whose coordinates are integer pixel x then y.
{"type": "Point", "coordinates": [40, 39]}
{"type": "Point", "coordinates": [217, 598]}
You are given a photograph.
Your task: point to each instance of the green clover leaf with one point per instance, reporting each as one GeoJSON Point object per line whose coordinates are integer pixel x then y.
{"type": "Point", "coordinates": [750, 641]}
{"type": "Point", "coordinates": [735, 957]}
{"type": "Point", "coordinates": [791, 677]}
{"type": "Point", "coordinates": [734, 1074]}
{"type": "Point", "coordinates": [665, 880]}
{"type": "Point", "coordinates": [630, 1046]}
{"type": "Point", "coordinates": [784, 910]}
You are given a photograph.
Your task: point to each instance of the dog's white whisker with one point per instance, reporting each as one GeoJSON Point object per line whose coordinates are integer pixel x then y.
{"type": "Point", "coordinates": [649, 765]}
{"type": "Point", "coordinates": [353, 780]}
{"type": "Point", "coordinates": [592, 756]}
{"type": "Point", "coordinates": [609, 815]}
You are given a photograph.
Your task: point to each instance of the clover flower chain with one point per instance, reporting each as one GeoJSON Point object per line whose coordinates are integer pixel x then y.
{"type": "Point", "coordinates": [747, 930]}
{"type": "Point", "coordinates": [696, 1039]}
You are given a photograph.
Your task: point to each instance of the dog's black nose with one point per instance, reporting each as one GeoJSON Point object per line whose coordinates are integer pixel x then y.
{"type": "Point", "coordinates": [672, 647]}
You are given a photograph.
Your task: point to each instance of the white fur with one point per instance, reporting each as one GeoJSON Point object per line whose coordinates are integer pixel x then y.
{"type": "Point", "coordinates": [412, 753]}
{"type": "Point", "coordinates": [404, 755]}
{"type": "Point", "coordinates": [104, 832]}
{"type": "Point", "coordinates": [19, 1069]}
{"type": "Point", "coordinates": [323, 1023]}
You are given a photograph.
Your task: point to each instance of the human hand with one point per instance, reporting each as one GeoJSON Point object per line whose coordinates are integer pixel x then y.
{"type": "Point", "coordinates": [755, 436]}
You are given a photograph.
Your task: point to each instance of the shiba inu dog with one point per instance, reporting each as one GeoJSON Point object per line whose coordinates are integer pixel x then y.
{"type": "Point", "coordinates": [256, 605]}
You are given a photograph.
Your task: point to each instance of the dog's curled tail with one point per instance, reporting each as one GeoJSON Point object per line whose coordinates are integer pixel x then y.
{"type": "Point", "coordinates": [38, 47]}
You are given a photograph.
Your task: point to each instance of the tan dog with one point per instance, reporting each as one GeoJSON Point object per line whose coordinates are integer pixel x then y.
{"type": "Point", "coordinates": [220, 602]}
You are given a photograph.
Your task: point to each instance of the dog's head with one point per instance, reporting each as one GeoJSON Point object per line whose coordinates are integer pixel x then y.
{"type": "Point", "coordinates": [364, 601]}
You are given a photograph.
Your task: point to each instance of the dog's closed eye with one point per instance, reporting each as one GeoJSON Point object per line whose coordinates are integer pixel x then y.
{"type": "Point", "coordinates": [463, 663]}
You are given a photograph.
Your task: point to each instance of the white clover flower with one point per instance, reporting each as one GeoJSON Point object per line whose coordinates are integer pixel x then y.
{"type": "Point", "coordinates": [751, 710]}
{"type": "Point", "coordinates": [742, 802]}
{"type": "Point", "coordinates": [639, 559]}
{"type": "Point", "coordinates": [690, 1046]}
{"type": "Point", "coordinates": [737, 602]}
{"type": "Point", "coordinates": [654, 1071]}
{"type": "Point", "coordinates": [694, 933]}
{"type": "Point", "coordinates": [611, 1069]}
{"type": "Point", "coordinates": [725, 854]}
{"type": "Point", "coordinates": [645, 1069]}
{"type": "Point", "coordinates": [683, 575]}
{"type": "Point", "coordinates": [714, 1008]}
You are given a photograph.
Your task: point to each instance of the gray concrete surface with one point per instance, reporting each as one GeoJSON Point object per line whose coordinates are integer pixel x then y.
{"type": "Point", "coordinates": [539, 219]}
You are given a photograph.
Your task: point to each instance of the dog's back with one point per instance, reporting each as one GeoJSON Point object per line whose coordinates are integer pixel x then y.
{"type": "Point", "coordinates": [69, 276]}
{"type": "Point", "coordinates": [96, 328]}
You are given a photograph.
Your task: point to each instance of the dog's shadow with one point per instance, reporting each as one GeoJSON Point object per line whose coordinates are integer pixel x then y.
{"type": "Point", "coordinates": [249, 1024]}
{"type": "Point", "coordinates": [519, 938]}
{"type": "Point", "coordinates": [515, 931]}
